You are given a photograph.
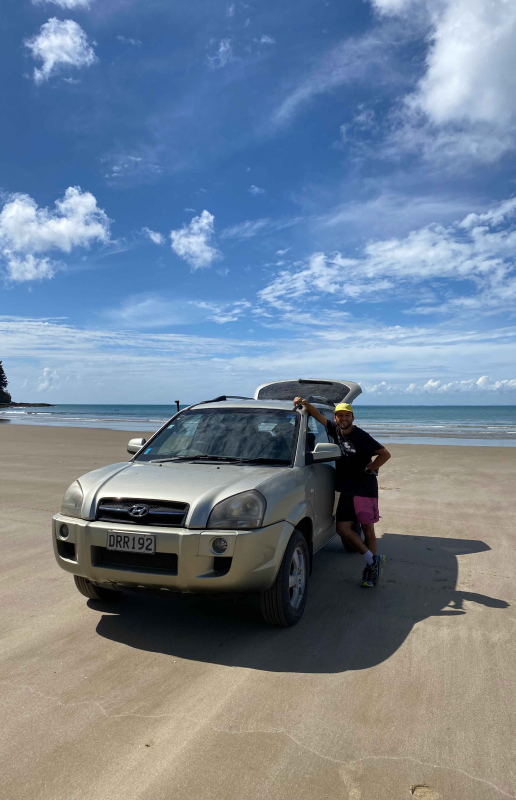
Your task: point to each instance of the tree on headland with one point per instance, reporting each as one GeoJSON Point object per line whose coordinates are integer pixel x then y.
{"type": "Point", "coordinates": [5, 397]}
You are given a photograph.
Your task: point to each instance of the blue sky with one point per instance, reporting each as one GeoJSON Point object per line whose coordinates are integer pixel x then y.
{"type": "Point", "coordinates": [199, 197]}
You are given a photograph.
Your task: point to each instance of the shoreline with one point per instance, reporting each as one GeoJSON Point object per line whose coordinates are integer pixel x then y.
{"type": "Point", "coordinates": [27, 405]}
{"type": "Point", "coordinates": [60, 431]}
{"type": "Point", "coordinates": [458, 426]}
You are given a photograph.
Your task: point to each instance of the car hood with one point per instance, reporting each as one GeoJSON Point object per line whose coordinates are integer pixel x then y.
{"type": "Point", "coordinates": [200, 485]}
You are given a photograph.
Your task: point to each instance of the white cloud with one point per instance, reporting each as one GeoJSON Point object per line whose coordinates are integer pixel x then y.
{"type": "Point", "coordinates": [391, 6]}
{"type": "Point", "coordinates": [221, 313]}
{"type": "Point", "coordinates": [126, 40]}
{"type": "Point", "coordinates": [223, 56]}
{"type": "Point", "coordinates": [494, 216]}
{"type": "Point", "coordinates": [148, 366]}
{"type": "Point", "coordinates": [65, 3]}
{"type": "Point", "coordinates": [49, 380]}
{"type": "Point", "coordinates": [471, 64]}
{"type": "Point", "coordinates": [353, 61]}
{"type": "Point", "coordinates": [464, 102]}
{"type": "Point", "coordinates": [137, 365]}
{"type": "Point", "coordinates": [148, 311]}
{"type": "Point", "coordinates": [192, 241]}
{"type": "Point", "coordinates": [365, 117]}
{"type": "Point", "coordinates": [230, 10]}
{"type": "Point", "coordinates": [266, 40]}
{"type": "Point", "coordinates": [155, 237]}
{"type": "Point", "coordinates": [363, 120]}
{"type": "Point", "coordinates": [252, 227]}
{"type": "Point", "coordinates": [476, 250]}
{"type": "Point", "coordinates": [245, 230]}
{"type": "Point", "coordinates": [255, 190]}
{"type": "Point", "coordinates": [127, 168]}
{"type": "Point", "coordinates": [27, 231]}
{"type": "Point", "coordinates": [481, 385]}
{"type": "Point", "coordinates": [450, 147]}
{"type": "Point", "coordinates": [389, 213]}
{"type": "Point", "coordinates": [60, 43]}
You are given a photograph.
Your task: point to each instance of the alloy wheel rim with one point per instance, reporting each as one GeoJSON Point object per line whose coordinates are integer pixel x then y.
{"type": "Point", "coordinates": [297, 578]}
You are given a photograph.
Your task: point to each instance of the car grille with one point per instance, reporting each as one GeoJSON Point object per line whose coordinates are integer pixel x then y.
{"type": "Point", "coordinates": [137, 562]}
{"type": "Point", "coordinates": [160, 512]}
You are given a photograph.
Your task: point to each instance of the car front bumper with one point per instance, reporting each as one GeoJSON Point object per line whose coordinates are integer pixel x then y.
{"type": "Point", "coordinates": [185, 561]}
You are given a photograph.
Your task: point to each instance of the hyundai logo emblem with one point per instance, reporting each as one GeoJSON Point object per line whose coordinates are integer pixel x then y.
{"type": "Point", "coordinates": [138, 511]}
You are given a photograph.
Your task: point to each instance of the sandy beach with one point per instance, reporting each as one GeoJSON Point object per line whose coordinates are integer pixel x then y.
{"type": "Point", "coordinates": [404, 691]}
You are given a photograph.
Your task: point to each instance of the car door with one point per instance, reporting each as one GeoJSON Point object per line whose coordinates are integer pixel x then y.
{"type": "Point", "coordinates": [330, 416]}
{"type": "Point", "coordinates": [322, 486]}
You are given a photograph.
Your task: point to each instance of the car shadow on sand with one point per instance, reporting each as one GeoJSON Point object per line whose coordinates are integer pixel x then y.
{"type": "Point", "coordinates": [344, 626]}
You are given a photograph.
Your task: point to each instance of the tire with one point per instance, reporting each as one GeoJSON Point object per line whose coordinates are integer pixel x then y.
{"type": "Point", "coordinates": [284, 603]}
{"type": "Point", "coordinates": [94, 592]}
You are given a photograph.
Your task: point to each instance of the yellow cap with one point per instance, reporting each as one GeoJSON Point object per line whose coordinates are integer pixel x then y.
{"type": "Point", "coordinates": [343, 407]}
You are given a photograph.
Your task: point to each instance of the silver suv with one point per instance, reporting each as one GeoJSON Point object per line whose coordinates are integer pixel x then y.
{"type": "Point", "coordinates": [230, 495]}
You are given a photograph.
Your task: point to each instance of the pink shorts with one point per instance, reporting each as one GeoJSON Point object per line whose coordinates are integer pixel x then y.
{"type": "Point", "coordinates": [363, 509]}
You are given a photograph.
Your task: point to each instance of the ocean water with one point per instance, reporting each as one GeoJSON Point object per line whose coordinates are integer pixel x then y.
{"type": "Point", "coordinates": [477, 425]}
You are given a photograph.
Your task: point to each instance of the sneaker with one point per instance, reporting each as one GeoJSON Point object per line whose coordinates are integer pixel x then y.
{"type": "Point", "coordinates": [367, 579]}
{"type": "Point", "coordinates": [373, 573]}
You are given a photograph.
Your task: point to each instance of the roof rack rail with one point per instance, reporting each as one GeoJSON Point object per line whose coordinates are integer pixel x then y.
{"type": "Point", "coordinates": [221, 399]}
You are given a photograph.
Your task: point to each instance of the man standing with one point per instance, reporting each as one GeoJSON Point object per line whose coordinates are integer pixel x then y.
{"type": "Point", "coordinates": [356, 480]}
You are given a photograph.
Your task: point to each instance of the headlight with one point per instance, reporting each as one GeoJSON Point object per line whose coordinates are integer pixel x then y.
{"type": "Point", "coordinates": [245, 510]}
{"type": "Point", "coordinates": [72, 501]}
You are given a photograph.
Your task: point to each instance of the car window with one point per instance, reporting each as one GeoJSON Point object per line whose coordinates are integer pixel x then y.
{"type": "Point", "coordinates": [232, 433]}
{"type": "Point", "coordinates": [315, 433]}
{"type": "Point", "coordinates": [178, 436]}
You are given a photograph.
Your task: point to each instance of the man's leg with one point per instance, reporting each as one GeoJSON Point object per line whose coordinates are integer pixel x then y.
{"type": "Point", "coordinates": [366, 509]}
{"type": "Point", "coordinates": [348, 535]}
{"type": "Point", "coordinates": [370, 537]}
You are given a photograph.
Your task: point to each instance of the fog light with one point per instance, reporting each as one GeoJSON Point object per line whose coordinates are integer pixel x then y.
{"type": "Point", "coordinates": [64, 531]}
{"type": "Point", "coordinates": [219, 545]}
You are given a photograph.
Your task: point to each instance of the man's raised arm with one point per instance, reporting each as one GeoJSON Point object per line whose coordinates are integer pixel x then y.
{"type": "Point", "coordinates": [299, 401]}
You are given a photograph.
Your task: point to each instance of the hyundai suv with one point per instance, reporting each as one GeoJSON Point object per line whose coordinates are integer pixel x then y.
{"type": "Point", "coordinates": [230, 495]}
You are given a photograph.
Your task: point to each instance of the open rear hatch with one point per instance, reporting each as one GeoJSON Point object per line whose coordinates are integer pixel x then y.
{"type": "Point", "coordinates": [331, 392]}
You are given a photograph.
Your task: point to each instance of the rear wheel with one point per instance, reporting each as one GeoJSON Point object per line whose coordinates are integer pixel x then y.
{"type": "Point", "coordinates": [94, 592]}
{"type": "Point", "coordinates": [284, 603]}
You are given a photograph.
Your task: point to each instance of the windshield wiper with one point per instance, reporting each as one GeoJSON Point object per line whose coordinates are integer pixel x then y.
{"type": "Point", "coordinates": [195, 458]}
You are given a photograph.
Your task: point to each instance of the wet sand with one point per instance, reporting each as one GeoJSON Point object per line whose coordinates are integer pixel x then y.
{"type": "Point", "coordinates": [404, 691]}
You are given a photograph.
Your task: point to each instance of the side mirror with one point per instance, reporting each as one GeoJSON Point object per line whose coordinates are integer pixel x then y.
{"type": "Point", "coordinates": [135, 445]}
{"type": "Point", "coordinates": [326, 452]}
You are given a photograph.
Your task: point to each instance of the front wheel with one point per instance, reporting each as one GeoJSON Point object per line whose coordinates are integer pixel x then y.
{"type": "Point", "coordinates": [94, 592]}
{"type": "Point", "coordinates": [284, 603]}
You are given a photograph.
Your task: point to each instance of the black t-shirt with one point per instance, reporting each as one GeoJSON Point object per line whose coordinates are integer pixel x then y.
{"type": "Point", "coordinates": [357, 449]}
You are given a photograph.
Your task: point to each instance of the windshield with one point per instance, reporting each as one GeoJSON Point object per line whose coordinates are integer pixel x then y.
{"type": "Point", "coordinates": [266, 435]}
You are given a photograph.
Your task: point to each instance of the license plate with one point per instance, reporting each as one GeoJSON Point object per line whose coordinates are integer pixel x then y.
{"type": "Point", "coordinates": [131, 542]}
